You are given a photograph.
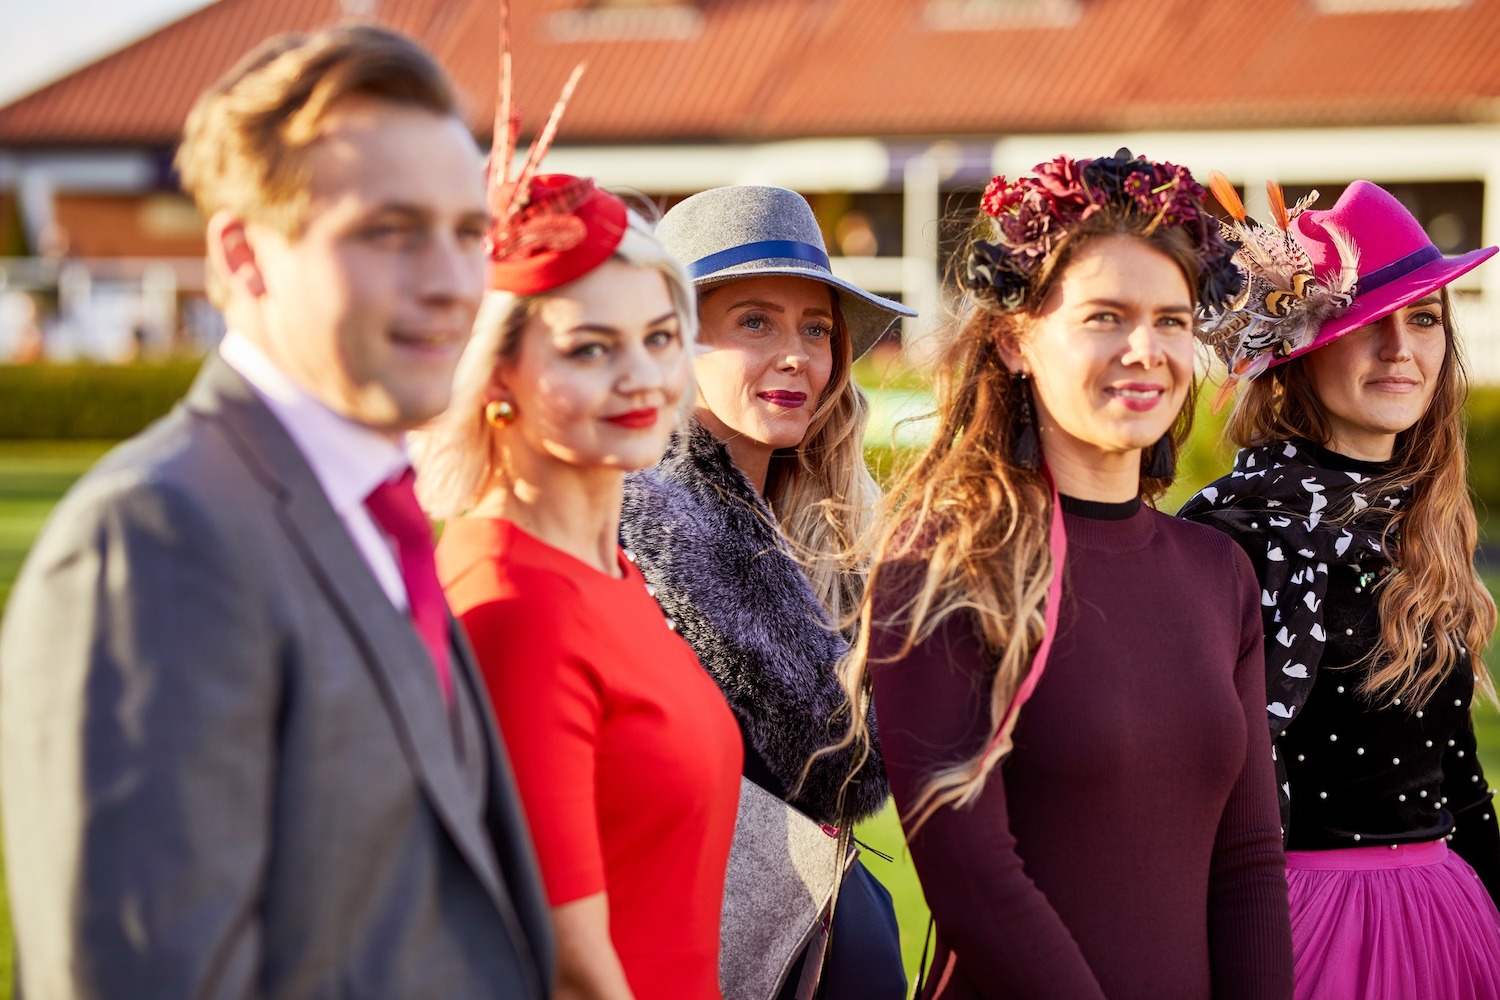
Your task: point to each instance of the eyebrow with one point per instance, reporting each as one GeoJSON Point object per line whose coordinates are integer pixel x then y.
{"type": "Point", "coordinates": [778, 307]}
{"type": "Point", "coordinates": [423, 212]}
{"type": "Point", "coordinates": [1431, 300]}
{"type": "Point", "coordinates": [1123, 306]}
{"type": "Point", "coordinates": [613, 331]}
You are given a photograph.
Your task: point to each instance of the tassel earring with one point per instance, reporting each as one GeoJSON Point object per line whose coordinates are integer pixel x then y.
{"type": "Point", "coordinates": [1161, 460]}
{"type": "Point", "coordinates": [1025, 446]}
{"type": "Point", "coordinates": [499, 414]}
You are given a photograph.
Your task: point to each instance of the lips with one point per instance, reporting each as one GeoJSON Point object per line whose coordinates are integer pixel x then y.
{"type": "Point", "coordinates": [425, 340]}
{"type": "Point", "coordinates": [1393, 383]}
{"type": "Point", "coordinates": [1137, 396]}
{"type": "Point", "coordinates": [784, 398]}
{"type": "Point", "coordinates": [635, 419]}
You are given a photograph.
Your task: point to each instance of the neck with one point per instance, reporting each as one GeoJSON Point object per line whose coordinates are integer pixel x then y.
{"type": "Point", "coordinates": [1366, 448]}
{"type": "Point", "coordinates": [573, 509]}
{"type": "Point", "coordinates": [1103, 478]}
{"type": "Point", "coordinates": [254, 333]}
{"type": "Point", "coordinates": [751, 457]}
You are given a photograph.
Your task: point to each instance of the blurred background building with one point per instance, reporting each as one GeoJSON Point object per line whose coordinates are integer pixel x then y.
{"type": "Point", "coordinates": [890, 115]}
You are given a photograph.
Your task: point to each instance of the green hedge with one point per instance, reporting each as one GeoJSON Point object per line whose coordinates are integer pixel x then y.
{"type": "Point", "coordinates": [1484, 450]}
{"type": "Point", "coordinates": [88, 401]}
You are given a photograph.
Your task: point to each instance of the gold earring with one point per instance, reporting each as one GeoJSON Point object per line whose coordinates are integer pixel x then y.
{"type": "Point", "coordinates": [499, 414]}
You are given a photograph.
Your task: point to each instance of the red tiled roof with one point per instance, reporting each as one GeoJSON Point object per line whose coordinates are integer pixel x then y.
{"type": "Point", "coordinates": [758, 69]}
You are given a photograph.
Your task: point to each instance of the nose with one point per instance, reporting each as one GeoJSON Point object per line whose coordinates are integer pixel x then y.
{"type": "Point", "coordinates": [1394, 339]}
{"type": "Point", "coordinates": [796, 358]}
{"type": "Point", "coordinates": [1143, 347]}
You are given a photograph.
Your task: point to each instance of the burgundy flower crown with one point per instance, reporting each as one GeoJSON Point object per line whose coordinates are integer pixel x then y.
{"type": "Point", "coordinates": [1034, 212]}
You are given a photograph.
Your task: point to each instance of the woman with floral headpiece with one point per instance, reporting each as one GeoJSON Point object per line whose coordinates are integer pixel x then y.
{"type": "Point", "coordinates": [1116, 836]}
{"type": "Point", "coordinates": [1350, 496]}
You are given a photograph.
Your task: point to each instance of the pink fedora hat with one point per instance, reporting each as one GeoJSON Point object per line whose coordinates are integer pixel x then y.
{"type": "Point", "coordinates": [1398, 263]}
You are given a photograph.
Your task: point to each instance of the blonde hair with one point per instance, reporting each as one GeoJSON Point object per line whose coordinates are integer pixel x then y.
{"type": "Point", "coordinates": [971, 525]}
{"type": "Point", "coordinates": [246, 138]}
{"type": "Point", "coordinates": [822, 493]}
{"type": "Point", "coordinates": [1437, 596]}
{"type": "Point", "coordinates": [456, 454]}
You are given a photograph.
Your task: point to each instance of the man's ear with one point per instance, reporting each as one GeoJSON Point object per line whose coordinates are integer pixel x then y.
{"type": "Point", "coordinates": [232, 255]}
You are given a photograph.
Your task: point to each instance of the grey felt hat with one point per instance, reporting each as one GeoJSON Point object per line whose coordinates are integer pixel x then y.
{"type": "Point", "coordinates": [749, 231]}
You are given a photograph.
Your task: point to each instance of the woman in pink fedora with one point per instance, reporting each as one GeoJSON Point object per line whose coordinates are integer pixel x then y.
{"type": "Point", "coordinates": [1350, 496]}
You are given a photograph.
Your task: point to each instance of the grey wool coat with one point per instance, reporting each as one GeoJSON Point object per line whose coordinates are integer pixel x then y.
{"type": "Point", "coordinates": [707, 542]}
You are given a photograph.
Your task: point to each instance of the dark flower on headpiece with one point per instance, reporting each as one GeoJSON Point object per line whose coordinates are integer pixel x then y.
{"type": "Point", "coordinates": [1220, 282]}
{"type": "Point", "coordinates": [1138, 186]}
{"type": "Point", "coordinates": [1059, 179]}
{"type": "Point", "coordinates": [1106, 176]}
{"type": "Point", "coordinates": [990, 273]}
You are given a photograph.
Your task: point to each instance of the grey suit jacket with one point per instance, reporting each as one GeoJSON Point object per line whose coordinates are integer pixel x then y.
{"type": "Point", "coordinates": [226, 768]}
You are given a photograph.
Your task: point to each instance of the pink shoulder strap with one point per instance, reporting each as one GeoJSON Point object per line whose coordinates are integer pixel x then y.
{"type": "Point", "coordinates": [1057, 540]}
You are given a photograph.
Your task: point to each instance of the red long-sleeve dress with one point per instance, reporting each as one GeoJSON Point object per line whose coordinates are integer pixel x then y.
{"type": "Point", "coordinates": [627, 757]}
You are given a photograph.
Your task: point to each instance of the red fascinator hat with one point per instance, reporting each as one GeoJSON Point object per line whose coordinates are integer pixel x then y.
{"type": "Point", "coordinates": [548, 229]}
{"type": "Point", "coordinates": [567, 228]}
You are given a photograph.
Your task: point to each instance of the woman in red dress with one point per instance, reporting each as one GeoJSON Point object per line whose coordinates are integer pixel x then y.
{"type": "Point", "coordinates": [626, 754]}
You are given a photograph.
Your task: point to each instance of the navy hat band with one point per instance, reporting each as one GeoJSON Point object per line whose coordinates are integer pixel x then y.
{"type": "Point", "coordinates": [760, 250]}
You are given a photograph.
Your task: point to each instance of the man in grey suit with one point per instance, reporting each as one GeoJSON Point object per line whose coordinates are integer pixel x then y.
{"type": "Point", "coordinates": [245, 752]}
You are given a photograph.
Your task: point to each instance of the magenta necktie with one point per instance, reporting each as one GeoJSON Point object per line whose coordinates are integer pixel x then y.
{"type": "Point", "coordinates": [394, 507]}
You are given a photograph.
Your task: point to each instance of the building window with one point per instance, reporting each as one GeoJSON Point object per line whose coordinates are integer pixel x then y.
{"type": "Point", "coordinates": [1452, 212]}
{"type": "Point", "coordinates": [982, 15]}
{"type": "Point", "coordinates": [627, 20]}
{"type": "Point", "coordinates": [1383, 6]}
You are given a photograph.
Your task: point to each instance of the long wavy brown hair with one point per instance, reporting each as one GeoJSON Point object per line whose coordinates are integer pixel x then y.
{"type": "Point", "coordinates": [966, 530]}
{"type": "Point", "coordinates": [1436, 598]}
{"type": "Point", "coordinates": [821, 491]}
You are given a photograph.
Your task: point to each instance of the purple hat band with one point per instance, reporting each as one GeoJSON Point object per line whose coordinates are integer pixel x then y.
{"type": "Point", "coordinates": [1382, 276]}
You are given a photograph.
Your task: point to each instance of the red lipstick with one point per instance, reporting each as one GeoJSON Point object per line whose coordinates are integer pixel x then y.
{"type": "Point", "coordinates": [785, 398]}
{"type": "Point", "coordinates": [635, 420]}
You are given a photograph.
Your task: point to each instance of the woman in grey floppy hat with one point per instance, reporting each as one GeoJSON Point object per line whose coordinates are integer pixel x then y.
{"type": "Point", "coordinates": [744, 526]}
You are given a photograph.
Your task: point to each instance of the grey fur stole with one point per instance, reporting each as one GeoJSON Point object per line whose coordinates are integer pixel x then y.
{"type": "Point", "coordinates": [707, 542]}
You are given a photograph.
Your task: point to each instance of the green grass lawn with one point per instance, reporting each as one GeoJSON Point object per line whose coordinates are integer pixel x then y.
{"type": "Point", "coordinates": [34, 474]}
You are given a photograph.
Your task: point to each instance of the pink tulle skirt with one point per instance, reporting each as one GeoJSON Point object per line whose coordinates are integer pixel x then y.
{"type": "Point", "coordinates": [1381, 923]}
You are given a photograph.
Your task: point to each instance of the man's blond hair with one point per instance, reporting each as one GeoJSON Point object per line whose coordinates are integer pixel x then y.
{"type": "Point", "coordinates": [245, 142]}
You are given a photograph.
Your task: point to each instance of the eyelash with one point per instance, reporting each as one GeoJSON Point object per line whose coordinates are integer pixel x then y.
{"type": "Point", "coordinates": [595, 350]}
{"type": "Point", "coordinates": [587, 352]}
{"type": "Point", "coordinates": [815, 329]}
{"type": "Point", "coordinates": [1112, 317]}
